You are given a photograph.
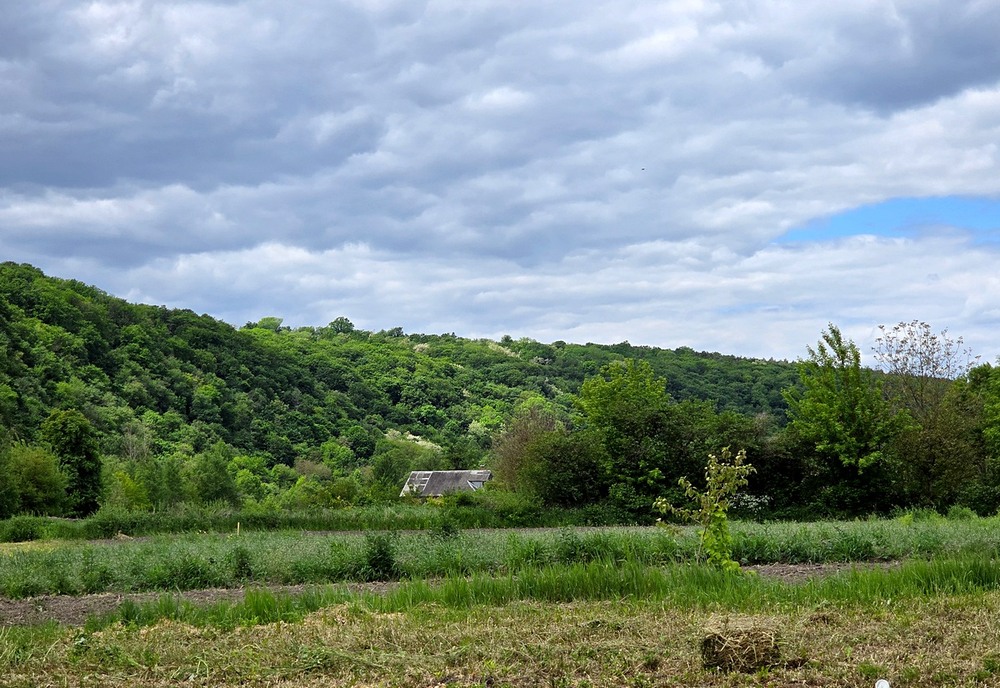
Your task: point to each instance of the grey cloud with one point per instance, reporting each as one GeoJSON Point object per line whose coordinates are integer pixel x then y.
{"type": "Point", "coordinates": [562, 171]}
{"type": "Point", "coordinates": [885, 56]}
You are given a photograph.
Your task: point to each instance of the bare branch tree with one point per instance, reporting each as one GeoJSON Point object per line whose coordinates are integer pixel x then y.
{"type": "Point", "coordinates": [921, 364]}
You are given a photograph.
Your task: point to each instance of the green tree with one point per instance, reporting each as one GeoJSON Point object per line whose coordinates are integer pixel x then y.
{"type": "Point", "coordinates": [647, 441]}
{"type": "Point", "coordinates": [564, 469]}
{"type": "Point", "coordinates": [35, 479]}
{"type": "Point", "coordinates": [840, 409]}
{"type": "Point", "coordinates": [209, 478]}
{"type": "Point", "coordinates": [845, 428]}
{"type": "Point", "coordinates": [511, 454]}
{"type": "Point", "coordinates": [926, 376]}
{"type": "Point", "coordinates": [71, 437]}
{"type": "Point", "coordinates": [341, 325]}
{"type": "Point", "coordinates": [10, 497]}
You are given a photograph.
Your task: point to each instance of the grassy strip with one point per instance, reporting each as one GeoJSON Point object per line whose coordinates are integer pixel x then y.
{"type": "Point", "coordinates": [203, 561]}
{"type": "Point", "coordinates": [496, 510]}
{"type": "Point", "coordinates": [872, 540]}
{"type": "Point", "coordinates": [678, 586]}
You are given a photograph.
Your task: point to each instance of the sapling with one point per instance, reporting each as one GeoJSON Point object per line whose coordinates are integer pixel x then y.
{"type": "Point", "coordinates": [724, 477]}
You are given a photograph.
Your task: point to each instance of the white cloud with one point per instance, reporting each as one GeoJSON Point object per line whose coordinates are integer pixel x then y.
{"type": "Point", "coordinates": [605, 171]}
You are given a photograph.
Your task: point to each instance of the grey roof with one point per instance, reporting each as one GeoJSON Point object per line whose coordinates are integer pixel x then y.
{"type": "Point", "coordinates": [437, 483]}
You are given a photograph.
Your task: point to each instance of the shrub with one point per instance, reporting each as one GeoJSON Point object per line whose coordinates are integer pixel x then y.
{"type": "Point", "coordinates": [961, 513]}
{"type": "Point", "coordinates": [380, 557]}
{"type": "Point", "coordinates": [22, 529]}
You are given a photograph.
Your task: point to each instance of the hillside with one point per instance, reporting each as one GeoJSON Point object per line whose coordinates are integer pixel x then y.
{"type": "Point", "coordinates": [266, 388]}
{"type": "Point", "coordinates": [105, 403]}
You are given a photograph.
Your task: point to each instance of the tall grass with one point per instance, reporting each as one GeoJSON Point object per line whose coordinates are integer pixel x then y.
{"type": "Point", "coordinates": [679, 585]}
{"type": "Point", "coordinates": [493, 511]}
{"type": "Point", "coordinates": [183, 562]}
{"type": "Point", "coordinates": [899, 538]}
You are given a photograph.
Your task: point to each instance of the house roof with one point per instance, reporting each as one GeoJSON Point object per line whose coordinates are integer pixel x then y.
{"type": "Point", "coordinates": [437, 483]}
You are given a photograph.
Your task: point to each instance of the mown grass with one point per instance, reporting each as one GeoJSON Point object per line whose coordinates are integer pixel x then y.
{"type": "Point", "coordinates": [920, 625]}
{"type": "Point", "coordinates": [184, 562]}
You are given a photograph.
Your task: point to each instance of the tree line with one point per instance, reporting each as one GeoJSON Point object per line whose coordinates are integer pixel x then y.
{"type": "Point", "coordinates": [104, 403]}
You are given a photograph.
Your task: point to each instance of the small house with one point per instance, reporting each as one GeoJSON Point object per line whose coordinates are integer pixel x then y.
{"type": "Point", "coordinates": [437, 483]}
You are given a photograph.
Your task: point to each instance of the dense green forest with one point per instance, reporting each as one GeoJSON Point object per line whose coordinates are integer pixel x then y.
{"type": "Point", "coordinates": [110, 405]}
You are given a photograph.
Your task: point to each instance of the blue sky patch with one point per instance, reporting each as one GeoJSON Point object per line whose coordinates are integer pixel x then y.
{"type": "Point", "coordinates": [907, 216]}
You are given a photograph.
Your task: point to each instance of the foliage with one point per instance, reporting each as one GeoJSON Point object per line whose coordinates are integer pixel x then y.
{"type": "Point", "coordinates": [141, 404]}
{"type": "Point", "coordinates": [209, 477]}
{"type": "Point", "coordinates": [71, 437]}
{"type": "Point", "coordinates": [840, 409]}
{"type": "Point", "coordinates": [938, 455]}
{"type": "Point", "coordinates": [35, 483]}
{"type": "Point", "coordinates": [724, 477]}
{"type": "Point", "coordinates": [627, 410]}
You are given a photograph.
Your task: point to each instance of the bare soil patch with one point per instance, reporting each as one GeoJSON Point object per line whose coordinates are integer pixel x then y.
{"type": "Point", "coordinates": [73, 610]}
{"type": "Point", "coordinates": [800, 573]}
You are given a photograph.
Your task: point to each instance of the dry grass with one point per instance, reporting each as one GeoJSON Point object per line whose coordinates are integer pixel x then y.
{"type": "Point", "coordinates": [741, 649]}
{"type": "Point", "coordinates": [941, 641]}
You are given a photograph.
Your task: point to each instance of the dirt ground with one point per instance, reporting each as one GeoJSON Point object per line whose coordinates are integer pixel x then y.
{"type": "Point", "coordinates": [74, 610]}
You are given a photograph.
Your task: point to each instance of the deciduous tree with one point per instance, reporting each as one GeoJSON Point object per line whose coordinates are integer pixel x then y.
{"type": "Point", "coordinates": [925, 377]}
{"type": "Point", "coordinates": [844, 428]}
{"type": "Point", "coordinates": [840, 409]}
{"type": "Point", "coordinates": [71, 437]}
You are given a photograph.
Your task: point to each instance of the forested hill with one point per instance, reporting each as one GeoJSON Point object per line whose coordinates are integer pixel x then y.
{"type": "Point", "coordinates": [188, 381]}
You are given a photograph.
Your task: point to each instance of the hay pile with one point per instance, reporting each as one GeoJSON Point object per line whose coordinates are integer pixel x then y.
{"type": "Point", "coordinates": [746, 649]}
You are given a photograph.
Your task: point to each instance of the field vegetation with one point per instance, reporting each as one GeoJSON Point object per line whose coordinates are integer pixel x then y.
{"type": "Point", "coordinates": [188, 562]}
{"type": "Point", "coordinates": [628, 607]}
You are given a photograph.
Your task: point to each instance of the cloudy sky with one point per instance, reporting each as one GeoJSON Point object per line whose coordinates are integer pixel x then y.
{"type": "Point", "coordinates": [726, 175]}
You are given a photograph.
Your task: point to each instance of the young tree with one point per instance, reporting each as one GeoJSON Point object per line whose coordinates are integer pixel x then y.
{"type": "Point", "coordinates": [725, 476]}
{"type": "Point", "coordinates": [845, 428]}
{"type": "Point", "coordinates": [841, 410]}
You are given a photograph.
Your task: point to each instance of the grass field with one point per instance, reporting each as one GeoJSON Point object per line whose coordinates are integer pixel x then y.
{"type": "Point", "coordinates": [192, 561]}
{"type": "Point", "coordinates": [619, 607]}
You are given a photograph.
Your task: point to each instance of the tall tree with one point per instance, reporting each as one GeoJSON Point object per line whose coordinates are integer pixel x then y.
{"type": "Point", "coordinates": [920, 365]}
{"type": "Point", "coordinates": [840, 408]}
{"type": "Point", "coordinates": [841, 416]}
{"type": "Point", "coordinates": [71, 437]}
{"type": "Point", "coordinates": [648, 441]}
{"type": "Point", "coordinates": [940, 452]}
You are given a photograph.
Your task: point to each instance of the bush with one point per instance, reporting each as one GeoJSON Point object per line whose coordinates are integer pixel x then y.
{"type": "Point", "coordinates": [380, 558]}
{"type": "Point", "coordinates": [240, 563]}
{"type": "Point", "coordinates": [961, 513]}
{"type": "Point", "coordinates": [510, 508]}
{"type": "Point", "coordinates": [23, 529]}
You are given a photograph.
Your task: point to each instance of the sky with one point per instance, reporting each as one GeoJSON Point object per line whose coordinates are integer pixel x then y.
{"type": "Point", "coordinates": [730, 176]}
